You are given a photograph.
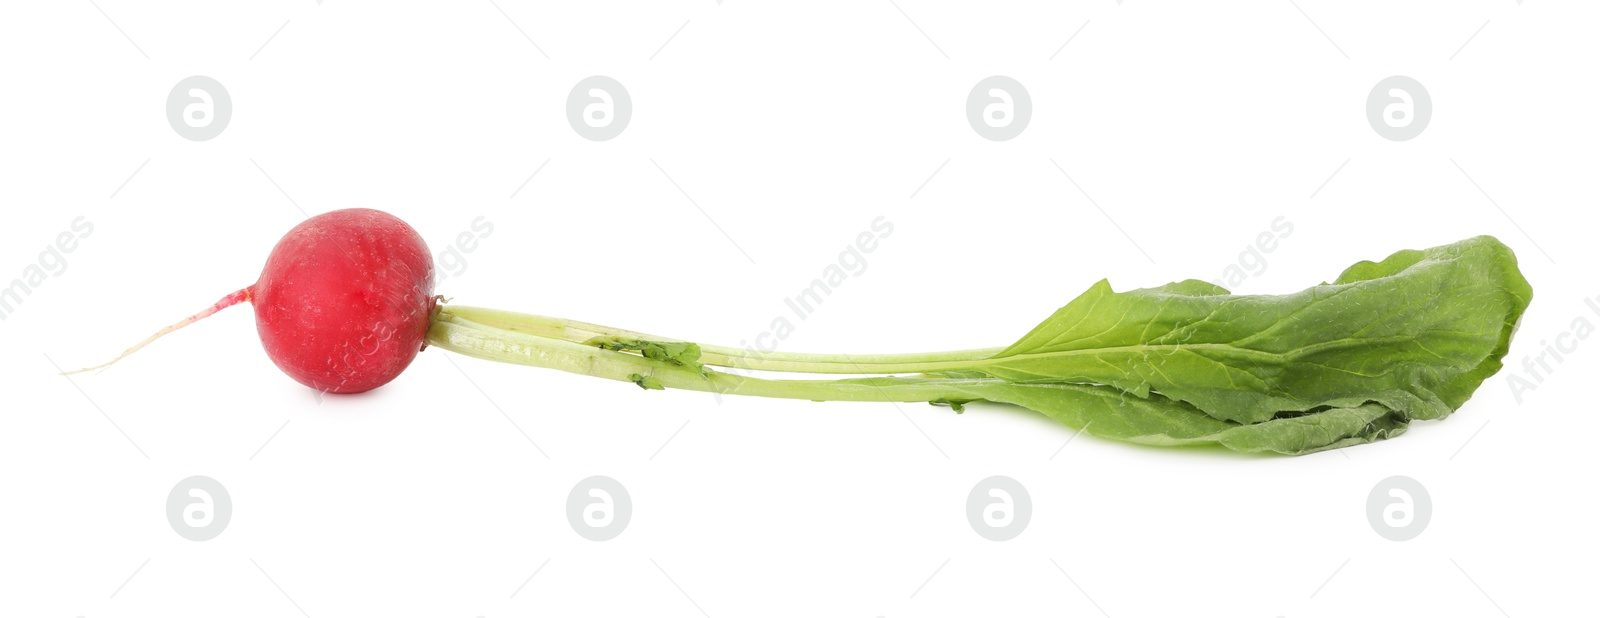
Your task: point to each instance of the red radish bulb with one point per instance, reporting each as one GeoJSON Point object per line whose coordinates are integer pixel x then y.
{"type": "Point", "coordinates": [343, 303]}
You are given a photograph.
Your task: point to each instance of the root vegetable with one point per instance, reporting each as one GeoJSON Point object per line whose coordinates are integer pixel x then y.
{"type": "Point", "coordinates": [346, 302]}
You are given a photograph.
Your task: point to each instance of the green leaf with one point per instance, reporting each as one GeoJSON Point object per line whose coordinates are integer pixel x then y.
{"type": "Point", "coordinates": [646, 382]}
{"type": "Point", "coordinates": [1415, 334]}
{"type": "Point", "coordinates": [1410, 337]}
{"type": "Point", "coordinates": [956, 404]}
{"type": "Point", "coordinates": [680, 353]}
{"type": "Point", "coordinates": [1106, 412]}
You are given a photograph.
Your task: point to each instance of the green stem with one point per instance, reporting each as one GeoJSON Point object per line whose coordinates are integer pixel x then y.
{"type": "Point", "coordinates": [722, 356]}
{"type": "Point", "coordinates": [457, 334]}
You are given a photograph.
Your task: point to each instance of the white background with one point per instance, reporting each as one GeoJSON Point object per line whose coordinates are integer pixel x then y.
{"type": "Point", "coordinates": [792, 126]}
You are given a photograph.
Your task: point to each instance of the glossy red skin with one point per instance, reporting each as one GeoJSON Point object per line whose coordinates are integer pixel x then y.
{"type": "Point", "coordinates": [344, 301]}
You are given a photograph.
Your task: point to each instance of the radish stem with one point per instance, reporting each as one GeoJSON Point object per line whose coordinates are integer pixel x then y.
{"type": "Point", "coordinates": [723, 356]}
{"type": "Point", "coordinates": [456, 334]}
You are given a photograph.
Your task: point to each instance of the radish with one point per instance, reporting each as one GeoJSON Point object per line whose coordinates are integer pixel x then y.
{"type": "Point", "coordinates": [343, 303]}
{"type": "Point", "coordinates": [346, 302]}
